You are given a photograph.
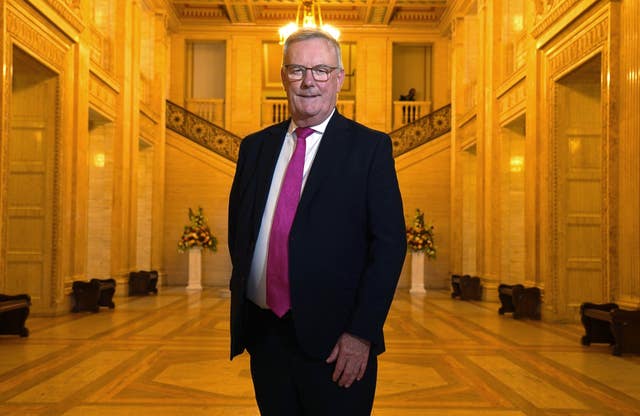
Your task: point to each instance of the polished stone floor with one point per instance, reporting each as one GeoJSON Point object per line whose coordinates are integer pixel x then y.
{"type": "Point", "coordinates": [168, 355]}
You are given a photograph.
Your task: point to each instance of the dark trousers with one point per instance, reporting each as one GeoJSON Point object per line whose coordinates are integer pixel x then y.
{"type": "Point", "coordinates": [287, 382]}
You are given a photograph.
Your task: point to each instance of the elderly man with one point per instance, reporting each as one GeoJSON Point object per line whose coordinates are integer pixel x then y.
{"type": "Point", "coordinates": [317, 242]}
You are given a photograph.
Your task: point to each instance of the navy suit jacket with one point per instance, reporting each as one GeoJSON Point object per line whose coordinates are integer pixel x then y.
{"type": "Point", "coordinates": [347, 242]}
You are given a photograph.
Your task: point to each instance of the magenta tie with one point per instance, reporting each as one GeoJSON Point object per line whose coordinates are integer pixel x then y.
{"type": "Point", "coordinates": [278, 297]}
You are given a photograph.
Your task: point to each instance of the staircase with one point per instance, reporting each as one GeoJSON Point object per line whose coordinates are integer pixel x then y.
{"type": "Point", "coordinates": [421, 131]}
{"type": "Point", "coordinates": [203, 132]}
{"type": "Point", "coordinates": [227, 144]}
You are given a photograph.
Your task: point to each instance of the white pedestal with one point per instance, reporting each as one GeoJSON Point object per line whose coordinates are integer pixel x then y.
{"type": "Point", "coordinates": [195, 269]}
{"type": "Point", "coordinates": [417, 273]}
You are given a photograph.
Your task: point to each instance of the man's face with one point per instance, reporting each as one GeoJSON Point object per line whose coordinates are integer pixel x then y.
{"type": "Point", "coordinates": [311, 101]}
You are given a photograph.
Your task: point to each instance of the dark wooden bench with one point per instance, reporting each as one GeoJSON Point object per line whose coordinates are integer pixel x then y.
{"type": "Point", "coordinates": [14, 310]}
{"type": "Point", "coordinates": [523, 302]}
{"type": "Point", "coordinates": [607, 323]}
{"type": "Point", "coordinates": [143, 282]}
{"type": "Point", "coordinates": [106, 288]}
{"type": "Point", "coordinates": [466, 287]}
{"type": "Point", "coordinates": [89, 296]}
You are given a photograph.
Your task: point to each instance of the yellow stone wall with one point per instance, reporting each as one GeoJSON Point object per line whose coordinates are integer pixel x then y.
{"type": "Point", "coordinates": [424, 178]}
{"type": "Point", "coordinates": [196, 179]}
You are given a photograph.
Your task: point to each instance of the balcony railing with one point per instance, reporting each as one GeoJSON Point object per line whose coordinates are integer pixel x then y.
{"type": "Point", "coordinates": [421, 131]}
{"type": "Point", "coordinates": [405, 112]}
{"type": "Point", "coordinates": [274, 111]}
{"type": "Point", "coordinates": [277, 110]}
{"type": "Point", "coordinates": [211, 109]}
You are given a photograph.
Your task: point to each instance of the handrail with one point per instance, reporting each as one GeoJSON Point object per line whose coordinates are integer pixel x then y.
{"type": "Point", "coordinates": [211, 109]}
{"type": "Point", "coordinates": [421, 131]}
{"type": "Point", "coordinates": [227, 144]}
{"type": "Point", "coordinates": [203, 132]}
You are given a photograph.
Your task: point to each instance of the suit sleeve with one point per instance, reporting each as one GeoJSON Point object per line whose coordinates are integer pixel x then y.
{"type": "Point", "coordinates": [234, 197]}
{"type": "Point", "coordinates": [387, 246]}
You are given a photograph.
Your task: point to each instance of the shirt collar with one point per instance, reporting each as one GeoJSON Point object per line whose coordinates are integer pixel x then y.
{"type": "Point", "coordinates": [319, 128]}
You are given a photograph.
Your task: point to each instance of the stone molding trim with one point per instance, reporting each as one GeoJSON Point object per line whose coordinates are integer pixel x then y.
{"type": "Point", "coordinates": [149, 129]}
{"type": "Point", "coordinates": [203, 132]}
{"type": "Point", "coordinates": [69, 10]}
{"type": "Point", "coordinates": [102, 96]}
{"type": "Point", "coordinates": [592, 40]}
{"type": "Point", "coordinates": [546, 20]}
{"type": "Point", "coordinates": [512, 101]}
{"type": "Point", "coordinates": [32, 37]}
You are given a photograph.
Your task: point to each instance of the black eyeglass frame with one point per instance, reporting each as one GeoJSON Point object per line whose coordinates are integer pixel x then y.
{"type": "Point", "coordinates": [314, 71]}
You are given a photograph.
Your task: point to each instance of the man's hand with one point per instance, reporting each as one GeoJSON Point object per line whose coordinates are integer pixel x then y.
{"type": "Point", "coordinates": [350, 355]}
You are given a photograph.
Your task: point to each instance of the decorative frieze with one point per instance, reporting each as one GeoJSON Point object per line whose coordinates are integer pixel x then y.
{"type": "Point", "coordinates": [33, 38]}
{"type": "Point", "coordinates": [69, 10]}
{"type": "Point", "coordinates": [589, 41]}
{"type": "Point", "coordinates": [550, 13]}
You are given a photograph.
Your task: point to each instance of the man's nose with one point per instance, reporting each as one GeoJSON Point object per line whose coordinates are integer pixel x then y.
{"type": "Point", "coordinates": [307, 78]}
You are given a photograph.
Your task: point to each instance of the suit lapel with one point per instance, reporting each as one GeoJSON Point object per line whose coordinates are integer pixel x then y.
{"type": "Point", "coordinates": [264, 171]}
{"type": "Point", "coordinates": [333, 147]}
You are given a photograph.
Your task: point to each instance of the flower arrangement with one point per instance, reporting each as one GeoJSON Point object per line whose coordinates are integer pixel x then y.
{"type": "Point", "coordinates": [420, 237]}
{"type": "Point", "coordinates": [197, 233]}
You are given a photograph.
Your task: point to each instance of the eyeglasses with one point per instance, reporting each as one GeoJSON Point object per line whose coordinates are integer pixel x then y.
{"type": "Point", "coordinates": [320, 73]}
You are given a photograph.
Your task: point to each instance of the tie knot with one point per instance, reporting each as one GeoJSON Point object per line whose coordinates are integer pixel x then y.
{"type": "Point", "coordinates": [303, 132]}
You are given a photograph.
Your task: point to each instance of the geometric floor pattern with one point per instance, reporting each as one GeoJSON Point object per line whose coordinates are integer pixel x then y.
{"type": "Point", "coordinates": [168, 355]}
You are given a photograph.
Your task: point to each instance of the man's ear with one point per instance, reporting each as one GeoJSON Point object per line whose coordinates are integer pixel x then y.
{"type": "Point", "coordinates": [340, 79]}
{"type": "Point", "coordinates": [283, 78]}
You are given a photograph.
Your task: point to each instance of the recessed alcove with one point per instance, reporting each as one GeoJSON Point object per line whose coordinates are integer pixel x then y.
{"type": "Point", "coordinates": [578, 176]}
{"type": "Point", "coordinates": [100, 196]}
{"type": "Point", "coordinates": [512, 200]}
{"type": "Point", "coordinates": [31, 167]}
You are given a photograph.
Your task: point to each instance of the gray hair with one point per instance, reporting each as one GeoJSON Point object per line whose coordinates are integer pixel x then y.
{"type": "Point", "coordinates": [306, 34]}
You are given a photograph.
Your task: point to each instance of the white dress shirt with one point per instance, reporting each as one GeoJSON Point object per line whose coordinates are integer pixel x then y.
{"type": "Point", "coordinates": [257, 283]}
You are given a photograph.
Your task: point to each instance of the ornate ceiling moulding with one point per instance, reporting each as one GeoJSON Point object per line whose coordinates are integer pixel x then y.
{"type": "Point", "coordinates": [335, 12]}
{"type": "Point", "coordinates": [213, 13]}
{"type": "Point", "coordinates": [240, 13]}
{"type": "Point", "coordinates": [377, 15]}
{"type": "Point", "coordinates": [417, 16]}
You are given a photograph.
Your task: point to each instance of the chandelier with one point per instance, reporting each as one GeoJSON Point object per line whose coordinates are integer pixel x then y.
{"type": "Point", "coordinates": [307, 16]}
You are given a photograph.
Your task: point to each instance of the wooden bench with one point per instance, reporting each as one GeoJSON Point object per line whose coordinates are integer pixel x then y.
{"type": "Point", "coordinates": [14, 311]}
{"type": "Point", "coordinates": [466, 287]}
{"type": "Point", "coordinates": [607, 323]}
{"type": "Point", "coordinates": [143, 282]}
{"type": "Point", "coordinates": [89, 296]}
{"type": "Point", "coordinates": [106, 288]}
{"type": "Point", "coordinates": [523, 302]}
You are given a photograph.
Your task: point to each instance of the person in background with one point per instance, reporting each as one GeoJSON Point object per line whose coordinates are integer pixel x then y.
{"type": "Point", "coordinates": [317, 242]}
{"type": "Point", "coordinates": [411, 95]}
